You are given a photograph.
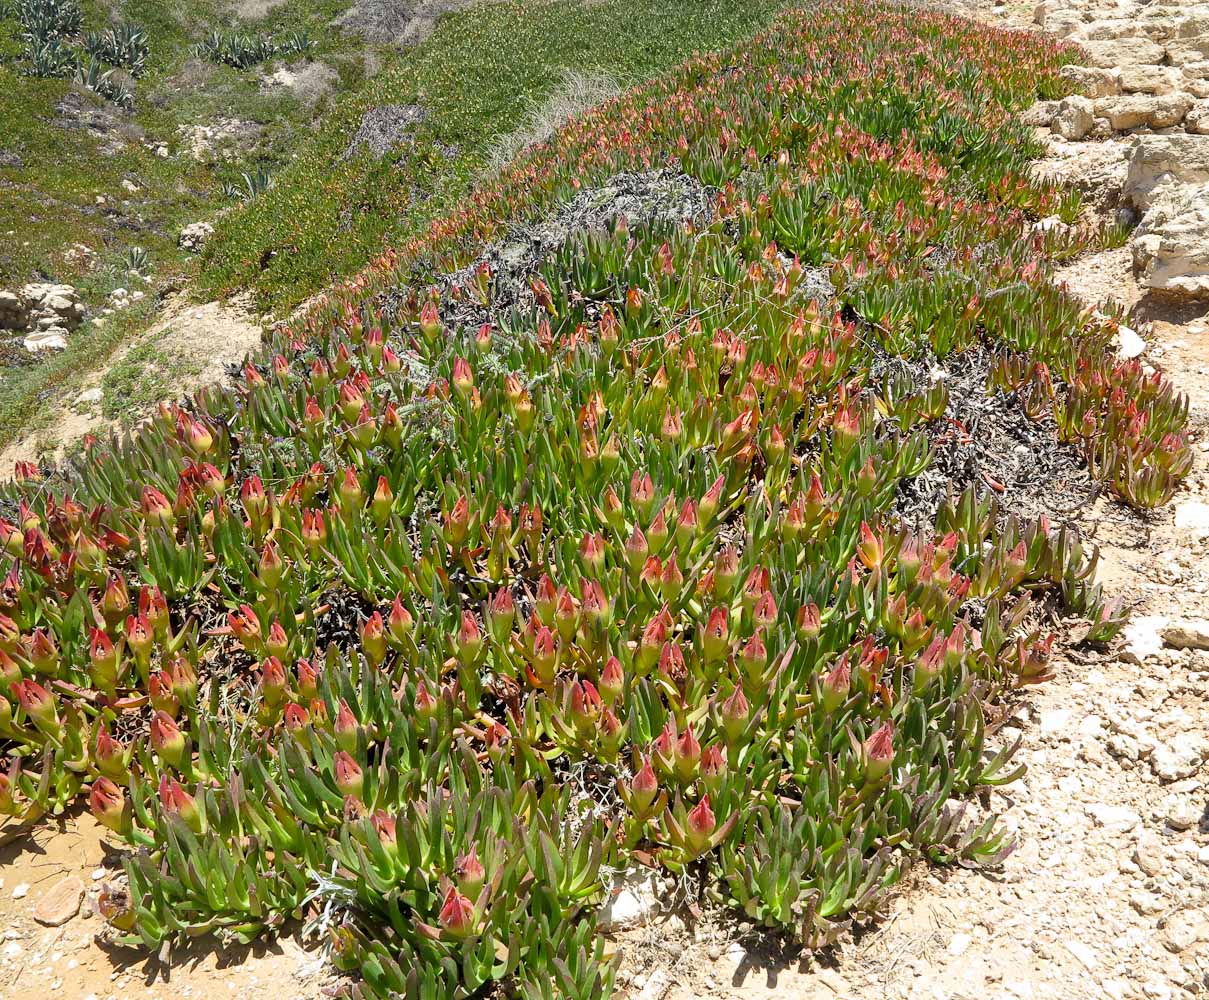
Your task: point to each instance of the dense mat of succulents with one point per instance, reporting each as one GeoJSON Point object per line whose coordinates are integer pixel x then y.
{"type": "Point", "coordinates": [474, 591]}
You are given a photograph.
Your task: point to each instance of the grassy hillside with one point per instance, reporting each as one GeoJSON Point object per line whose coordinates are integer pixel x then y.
{"type": "Point", "coordinates": [485, 71]}
{"type": "Point", "coordinates": [477, 78]}
{"type": "Point", "coordinates": [66, 148]}
{"type": "Point", "coordinates": [91, 189]}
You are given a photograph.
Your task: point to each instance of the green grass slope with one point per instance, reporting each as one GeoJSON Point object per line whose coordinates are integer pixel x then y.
{"type": "Point", "coordinates": [477, 77]}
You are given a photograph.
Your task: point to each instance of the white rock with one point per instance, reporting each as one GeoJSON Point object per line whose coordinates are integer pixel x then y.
{"type": "Point", "coordinates": [53, 339]}
{"type": "Point", "coordinates": [1117, 52]}
{"type": "Point", "coordinates": [958, 944]}
{"type": "Point", "coordinates": [1147, 903]}
{"type": "Point", "coordinates": [1129, 345]}
{"type": "Point", "coordinates": [1180, 758]}
{"type": "Point", "coordinates": [634, 901]}
{"type": "Point", "coordinates": [1083, 952]}
{"type": "Point", "coordinates": [1184, 929]}
{"type": "Point", "coordinates": [1150, 79]}
{"type": "Point", "coordinates": [1192, 516]}
{"type": "Point", "coordinates": [21, 891]}
{"type": "Point", "coordinates": [655, 987]}
{"type": "Point", "coordinates": [1143, 640]}
{"type": "Point", "coordinates": [1179, 811]}
{"type": "Point", "coordinates": [1054, 722]}
{"type": "Point", "coordinates": [194, 236]}
{"type": "Point", "coordinates": [1197, 119]}
{"type": "Point", "coordinates": [1115, 818]}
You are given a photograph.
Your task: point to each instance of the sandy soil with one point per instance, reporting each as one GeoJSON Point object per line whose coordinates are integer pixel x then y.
{"type": "Point", "coordinates": [68, 961]}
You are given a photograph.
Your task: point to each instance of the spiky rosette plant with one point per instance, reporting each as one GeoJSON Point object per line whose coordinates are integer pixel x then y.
{"type": "Point", "coordinates": [483, 581]}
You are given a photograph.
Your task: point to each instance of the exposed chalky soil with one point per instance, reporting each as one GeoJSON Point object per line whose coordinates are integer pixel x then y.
{"type": "Point", "coordinates": [696, 481]}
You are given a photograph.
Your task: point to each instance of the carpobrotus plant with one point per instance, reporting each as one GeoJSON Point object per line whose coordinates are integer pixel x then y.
{"type": "Point", "coordinates": [428, 621]}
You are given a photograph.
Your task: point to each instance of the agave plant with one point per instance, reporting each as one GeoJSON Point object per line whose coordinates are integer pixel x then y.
{"type": "Point", "coordinates": [50, 58]}
{"type": "Point", "coordinates": [101, 81]}
{"type": "Point", "coordinates": [44, 20]}
{"type": "Point", "coordinates": [251, 185]}
{"type": "Point", "coordinates": [125, 46]}
{"type": "Point", "coordinates": [236, 50]}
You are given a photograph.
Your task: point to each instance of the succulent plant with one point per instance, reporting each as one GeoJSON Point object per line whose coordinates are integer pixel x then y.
{"type": "Point", "coordinates": [476, 585]}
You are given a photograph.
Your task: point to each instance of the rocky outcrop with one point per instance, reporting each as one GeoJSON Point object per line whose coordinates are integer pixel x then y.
{"type": "Point", "coordinates": [1171, 245]}
{"type": "Point", "coordinates": [1145, 74]}
{"type": "Point", "coordinates": [194, 236]}
{"type": "Point", "coordinates": [1168, 181]}
{"type": "Point", "coordinates": [14, 312]}
{"type": "Point", "coordinates": [1146, 65]}
{"type": "Point", "coordinates": [48, 312]}
{"type": "Point", "coordinates": [1157, 163]}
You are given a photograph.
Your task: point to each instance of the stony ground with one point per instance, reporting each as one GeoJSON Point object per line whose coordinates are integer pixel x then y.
{"type": "Point", "coordinates": [1107, 894]}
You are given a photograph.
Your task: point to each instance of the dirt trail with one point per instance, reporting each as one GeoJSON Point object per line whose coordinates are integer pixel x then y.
{"type": "Point", "coordinates": [1107, 894]}
{"type": "Point", "coordinates": [200, 339]}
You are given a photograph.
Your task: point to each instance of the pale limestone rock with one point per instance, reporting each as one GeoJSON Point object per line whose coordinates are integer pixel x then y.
{"type": "Point", "coordinates": [1156, 163]}
{"type": "Point", "coordinates": [1185, 929]}
{"type": "Point", "coordinates": [1181, 51]}
{"type": "Point", "coordinates": [1138, 110]}
{"type": "Point", "coordinates": [1040, 115]}
{"type": "Point", "coordinates": [1099, 31]}
{"type": "Point", "coordinates": [1191, 633]}
{"type": "Point", "coordinates": [1179, 758]}
{"type": "Point", "coordinates": [1171, 254]}
{"type": "Point", "coordinates": [1092, 80]}
{"type": "Point", "coordinates": [51, 339]}
{"type": "Point", "coordinates": [1150, 79]}
{"type": "Point", "coordinates": [1197, 119]}
{"type": "Point", "coordinates": [1120, 52]}
{"type": "Point", "coordinates": [1073, 119]}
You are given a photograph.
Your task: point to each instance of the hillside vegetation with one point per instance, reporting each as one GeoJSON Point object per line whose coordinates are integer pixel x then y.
{"type": "Point", "coordinates": [295, 202]}
{"type": "Point", "coordinates": [589, 529]}
{"type": "Point", "coordinates": [477, 79]}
